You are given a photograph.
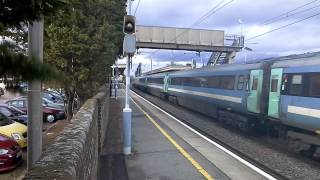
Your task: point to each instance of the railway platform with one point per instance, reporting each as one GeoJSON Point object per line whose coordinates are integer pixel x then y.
{"type": "Point", "coordinates": [165, 148]}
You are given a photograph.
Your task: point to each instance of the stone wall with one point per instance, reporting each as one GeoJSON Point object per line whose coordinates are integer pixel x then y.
{"type": "Point", "coordinates": [75, 152]}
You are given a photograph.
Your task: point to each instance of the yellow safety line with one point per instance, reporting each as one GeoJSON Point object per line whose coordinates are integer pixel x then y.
{"type": "Point", "coordinates": [179, 148]}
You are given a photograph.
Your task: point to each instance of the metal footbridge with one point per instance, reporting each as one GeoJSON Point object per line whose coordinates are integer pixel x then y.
{"type": "Point", "coordinates": [223, 47]}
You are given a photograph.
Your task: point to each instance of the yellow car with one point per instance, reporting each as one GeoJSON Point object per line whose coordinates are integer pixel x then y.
{"type": "Point", "coordinates": [13, 129]}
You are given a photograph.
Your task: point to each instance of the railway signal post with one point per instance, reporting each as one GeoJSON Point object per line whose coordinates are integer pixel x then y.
{"type": "Point", "coordinates": [129, 48]}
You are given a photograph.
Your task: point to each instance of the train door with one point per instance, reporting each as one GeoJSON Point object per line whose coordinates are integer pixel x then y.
{"type": "Point", "coordinates": [274, 93]}
{"type": "Point", "coordinates": [165, 83]}
{"type": "Point", "coordinates": [255, 88]}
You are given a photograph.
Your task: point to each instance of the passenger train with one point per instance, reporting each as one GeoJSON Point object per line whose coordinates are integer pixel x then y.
{"type": "Point", "coordinates": [280, 98]}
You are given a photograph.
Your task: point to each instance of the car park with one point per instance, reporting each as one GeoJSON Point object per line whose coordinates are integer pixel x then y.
{"type": "Point", "coordinates": [14, 113]}
{"type": "Point", "coordinates": [13, 129]}
{"type": "Point", "coordinates": [51, 112]}
{"type": "Point", "coordinates": [10, 153]}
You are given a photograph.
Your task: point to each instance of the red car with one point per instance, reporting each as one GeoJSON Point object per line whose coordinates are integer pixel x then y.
{"type": "Point", "coordinates": [10, 154]}
{"type": "Point", "coordinates": [50, 113]}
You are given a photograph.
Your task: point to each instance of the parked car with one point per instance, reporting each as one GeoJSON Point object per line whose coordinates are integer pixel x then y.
{"type": "Point", "coordinates": [54, 97]}
{"type": "Point", "coordinates": [23, 85]}
{"type": "Point", "coordinates": [10, 153]}
{"type": "Point", "coordinates": [1, 91]}
{"type": "Point", "coordinates": [14, 113]}
{"type": "Point", "coordinates": [52, 104]}
{"type": "Point", "coordinates": [57, 92]}
{"type": "Point", "coordinates": [13, 129]}
{"type": "Point", "coordinates": [51, 113]}
{"type": "Point", "coordinates": [47, 102]}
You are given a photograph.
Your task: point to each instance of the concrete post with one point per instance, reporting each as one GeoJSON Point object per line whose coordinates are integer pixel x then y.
{"type": "Point", "coordinates": [127, 115]}
{"type": "Point", "coordinates": [35, 39]}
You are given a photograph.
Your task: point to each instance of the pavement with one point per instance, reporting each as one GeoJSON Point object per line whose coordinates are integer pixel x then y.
{"type": "Point", "coordinates": [153, 155]}
{"type": "Point", "coordinates": [112, 161]}
{"type": "Point", "coordinates": [155, 141]}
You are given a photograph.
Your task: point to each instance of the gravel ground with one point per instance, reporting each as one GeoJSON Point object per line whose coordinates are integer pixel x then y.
{"type": "Point", "coordinates": [286, 164]}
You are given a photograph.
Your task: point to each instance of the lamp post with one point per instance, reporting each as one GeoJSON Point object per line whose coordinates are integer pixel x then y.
{"type": "Point", "coordinates": [246, 48]}
{"type": "Point", "coordinates": [200, 58]}
{"type": "Point", "coordinates": [241, 26]}
{"type": "Point", "coordinates": [199, 55]}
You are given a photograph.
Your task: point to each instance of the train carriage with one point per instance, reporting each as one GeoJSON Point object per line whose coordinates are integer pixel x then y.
{"type": "Point", "coordinates": [294, 100]}
{"type": "Point", "coordinates": [222, 88]}
{"type": "Point", "coordinates": [277, 96]}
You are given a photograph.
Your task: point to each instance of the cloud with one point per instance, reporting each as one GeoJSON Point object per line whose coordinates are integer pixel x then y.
{"type": "Point", "coordinates": [297, 38]}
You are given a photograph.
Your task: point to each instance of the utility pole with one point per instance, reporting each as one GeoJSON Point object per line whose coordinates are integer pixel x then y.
{"type": "Point", "coordinates": [200, 58]}
{"type": "Point", "coordinates": [35, 41]}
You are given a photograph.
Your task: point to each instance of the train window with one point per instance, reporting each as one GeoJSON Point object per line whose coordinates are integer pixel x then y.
{"type": "Point", "coordinates": [296, 79]}
{"type": "Point", "coordinates": [255, 83]}
{"type": "Point", "coordinates": [195, 82]}
{"type": "Point", "coordinates": [156, 80]}
{"type": "Point", "coordinates": [274, 85]}
{"type": "Point", "coordinates": [173, 81]}
{"type": "Point", "coordinates": [181, 81]}
{"type": "Point", "coordinates": [240, 82]}
{"type": "Point", "coordinates": [203, 82]}
{"type": "Point", "coordinates": [224, 82]}
{"type": "Point", "coordinates": [296, 87]}
{"type": "Point", "coordinates": [213, 82]}
{"type": "Point", "coordinates": [189, 81]}
{"type": "Point", "coordinates": [227, 82]}
{"type": "Point", "coordinates": [142, 80]}
{"type": "Point", "coordinates": [184, 81]}
{"type": "Point", "coordinates": [176, 81]}
{"type": "Point", "coordinates": [314, 90]}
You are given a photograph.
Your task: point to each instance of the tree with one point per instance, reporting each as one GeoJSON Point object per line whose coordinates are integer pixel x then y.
{"type": "Point", "coordinates": [14, 16]}
{"type": "Point", "coordinates": [16, 13]}
{"type": "Point", "coordinates": [19, 66]}
{"type": "Point", "coordinates": [82, 41]}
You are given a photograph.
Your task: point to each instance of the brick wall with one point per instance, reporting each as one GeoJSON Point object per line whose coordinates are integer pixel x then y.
{"type": "Point", "coordinates": [75, 152]}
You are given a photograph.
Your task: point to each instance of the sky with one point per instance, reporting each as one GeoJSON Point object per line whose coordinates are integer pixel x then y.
{"type": "Point", "coordinates": [249, 18]}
